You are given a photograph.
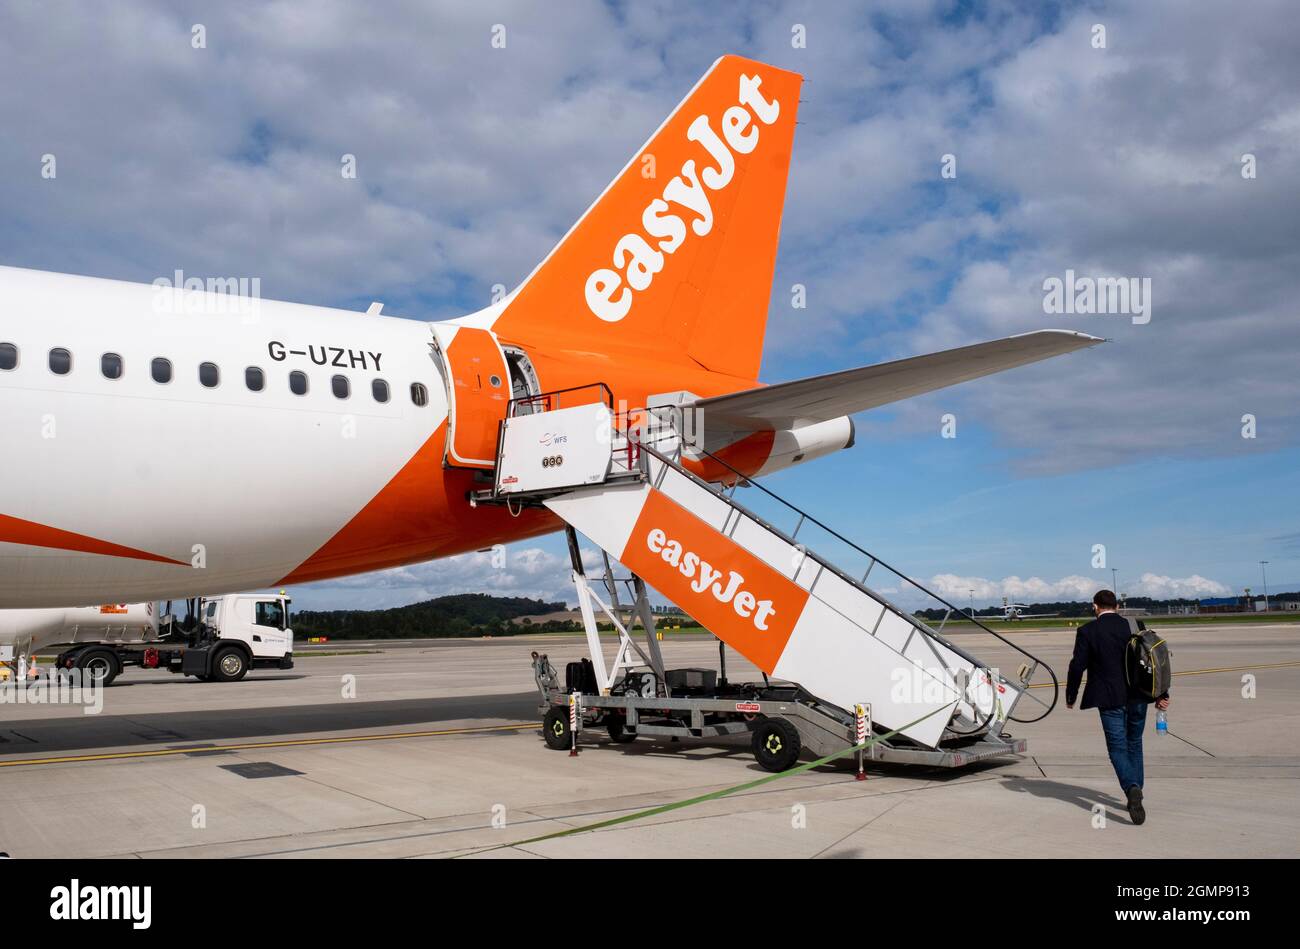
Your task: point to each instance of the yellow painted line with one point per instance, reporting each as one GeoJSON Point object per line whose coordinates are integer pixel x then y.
{"type": "Point", "coordinates": [1266, 665]}
{"type": "Point", "coordinates": [249, 746]}
{"type": "Point", "coordinates": [1205, 672]}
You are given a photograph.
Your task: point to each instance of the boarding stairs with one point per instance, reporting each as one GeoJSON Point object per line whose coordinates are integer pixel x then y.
{"type": "Point", "coordinates": [631, 483]}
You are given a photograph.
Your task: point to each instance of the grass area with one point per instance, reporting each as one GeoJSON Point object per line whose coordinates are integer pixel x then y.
{"type": "Point", "coordinates": [1067, 622]}
{"type": "Point", "coordinates": [668, 633]}
{"type": "Point", "coordinates": [1063, 622]}
{"type": "Point", "coordinates": [316, 654]}
{"type": "Point", "coordinates": [45, 660]}
{"type": "Point", "coordinates": [1216, 619]}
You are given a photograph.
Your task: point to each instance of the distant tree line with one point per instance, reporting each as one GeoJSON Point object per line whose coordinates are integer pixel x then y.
{"type": "Point", "coordinates": [481, 614]}
{"type": "Point", "coordinates": [458, 615]}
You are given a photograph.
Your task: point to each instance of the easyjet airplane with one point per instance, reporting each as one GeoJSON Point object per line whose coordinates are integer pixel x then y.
{"type": "Point", "coordinates": [160, 443]}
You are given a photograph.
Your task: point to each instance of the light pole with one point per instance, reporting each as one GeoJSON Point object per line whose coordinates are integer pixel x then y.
{"type": "Point", "coordinates": [1263, 569]}
{"type": "Point", "coordinates": [972, 603]}
{"type": "Point", "coordinates": [1114, 581]}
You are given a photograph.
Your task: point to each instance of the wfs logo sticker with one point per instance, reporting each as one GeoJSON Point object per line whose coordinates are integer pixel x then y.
{"type": "Point", "coordinates": [134, 903]}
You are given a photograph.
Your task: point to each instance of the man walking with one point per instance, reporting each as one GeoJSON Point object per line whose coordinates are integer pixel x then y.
{"type": "Point", "coordinates": [1100, 650]}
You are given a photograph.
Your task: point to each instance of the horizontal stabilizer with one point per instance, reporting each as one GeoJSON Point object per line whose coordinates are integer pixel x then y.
{"type": "Point", "coordinates": [819, 398]}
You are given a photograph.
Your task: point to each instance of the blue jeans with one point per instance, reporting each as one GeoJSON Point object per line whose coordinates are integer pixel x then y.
{"type": "Point", "coordinates": [1123, 726]}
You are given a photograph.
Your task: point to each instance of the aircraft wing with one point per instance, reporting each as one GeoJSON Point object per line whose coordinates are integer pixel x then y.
{"type": "Point", "coordinates": [819, 398]}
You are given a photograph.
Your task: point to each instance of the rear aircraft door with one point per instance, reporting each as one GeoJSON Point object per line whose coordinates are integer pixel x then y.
{"type": "Point", "coordinates": [478, 392]}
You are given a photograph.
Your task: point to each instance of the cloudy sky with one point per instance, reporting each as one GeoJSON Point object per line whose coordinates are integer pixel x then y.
{"type": "Point", "coordinates": [1152, 140]}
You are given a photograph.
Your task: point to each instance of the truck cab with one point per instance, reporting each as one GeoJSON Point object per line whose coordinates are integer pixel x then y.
{"type": "Point", "coordinates": [259, 620]}
{"type": "Point", "coordinates": [241, 631]}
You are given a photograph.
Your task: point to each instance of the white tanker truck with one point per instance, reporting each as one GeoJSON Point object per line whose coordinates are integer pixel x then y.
{"type": "Point", "coordinates": [221, 638]}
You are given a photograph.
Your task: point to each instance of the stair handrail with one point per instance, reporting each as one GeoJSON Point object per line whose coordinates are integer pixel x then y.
{"type": "Point", "coordinates": [607, 396]}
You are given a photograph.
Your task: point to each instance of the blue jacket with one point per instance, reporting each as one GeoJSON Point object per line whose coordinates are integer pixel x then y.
{"type": "Point", "coordinates": [1099, 650]}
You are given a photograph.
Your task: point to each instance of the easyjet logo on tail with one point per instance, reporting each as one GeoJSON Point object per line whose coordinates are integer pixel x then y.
{"type": "Point", "coordinates": [610, 291]}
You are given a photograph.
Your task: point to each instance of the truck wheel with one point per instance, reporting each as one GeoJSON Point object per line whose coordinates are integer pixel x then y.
{"type": "Point", "coordinates": [229, 664]}
{"type": "Point", "coordinates": [555, 728]}
{"type": "Point", "coordinates": [618, 732]}
{"type": "Point", "coordinates": [99, 665]}
{"type": "Point", "coordinates": [776, 745]}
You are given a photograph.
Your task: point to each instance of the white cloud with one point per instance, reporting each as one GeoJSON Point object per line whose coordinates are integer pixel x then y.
{"type": "Point", "coordinates": [958, 589]}
{"type": "Point", "coordinates": [1188, 588]}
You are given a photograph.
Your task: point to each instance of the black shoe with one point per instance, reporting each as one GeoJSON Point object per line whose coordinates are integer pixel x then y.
{"type": "Point", "coordinates": [1135, 808]}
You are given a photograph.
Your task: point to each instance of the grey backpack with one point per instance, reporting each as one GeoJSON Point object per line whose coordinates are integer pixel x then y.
{"type": "Point", "coordinates": [1146, 662]}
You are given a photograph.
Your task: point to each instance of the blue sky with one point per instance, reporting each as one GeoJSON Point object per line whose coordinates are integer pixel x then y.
{"type": "Point", "coordinates": [1117, 161]}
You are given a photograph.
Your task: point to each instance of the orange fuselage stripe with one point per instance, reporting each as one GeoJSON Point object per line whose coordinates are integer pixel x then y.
{"type": "Point", "coordinates": [15, 530]}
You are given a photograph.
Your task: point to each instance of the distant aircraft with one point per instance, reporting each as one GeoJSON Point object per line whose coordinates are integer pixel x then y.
{"type": "Point", "coordinates": [1016, 611]}
{"type": "Point", "coordinates": [152, 431]}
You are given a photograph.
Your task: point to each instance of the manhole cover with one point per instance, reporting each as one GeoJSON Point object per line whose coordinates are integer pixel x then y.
{"type": "Point", "coordinates": [159, 734]}
{"type": "Point", "coordinates": [260, 769]}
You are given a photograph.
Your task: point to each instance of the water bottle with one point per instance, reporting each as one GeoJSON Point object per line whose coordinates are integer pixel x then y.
{"type": "Point", "coordinates": [1162, 722]}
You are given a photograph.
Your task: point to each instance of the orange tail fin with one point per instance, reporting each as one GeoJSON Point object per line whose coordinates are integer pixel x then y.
{"type": "Point", "coordinates": [675, 259]}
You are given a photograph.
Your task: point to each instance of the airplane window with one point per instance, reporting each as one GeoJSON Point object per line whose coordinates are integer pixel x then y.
{"type": "Point", "coordinates": [8, 356]}
{"type": "Point", "coordinates": [209, 374]}
{"type": "Point", "coordinates": [340, 386]}
{"type": "Point", "coordinates": [419, 394]}
{"type": "Point", "coordinates": [110, 364]}
{"type": "Point", "coordinates": [298, 383]}
{"type": "Point", "coordinates": [254, 379]}
{"type": "Point", "coordinates": [379, 389]}
{"type": "Point", "coordinates": [161, 370]}
{"type": "Point", "coordinates": [60, 362]}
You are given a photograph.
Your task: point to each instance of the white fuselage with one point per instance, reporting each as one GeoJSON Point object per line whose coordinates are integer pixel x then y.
{"type": "Point", "coordinates": [232, 488]}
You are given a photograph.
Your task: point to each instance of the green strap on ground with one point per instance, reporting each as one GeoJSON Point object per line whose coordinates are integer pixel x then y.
{"type": "Point", "coordinates": [711, 796]}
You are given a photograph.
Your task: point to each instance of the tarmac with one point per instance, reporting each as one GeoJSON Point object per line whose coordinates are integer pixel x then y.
{"type": "Point", "coordinates": [432, 749]}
